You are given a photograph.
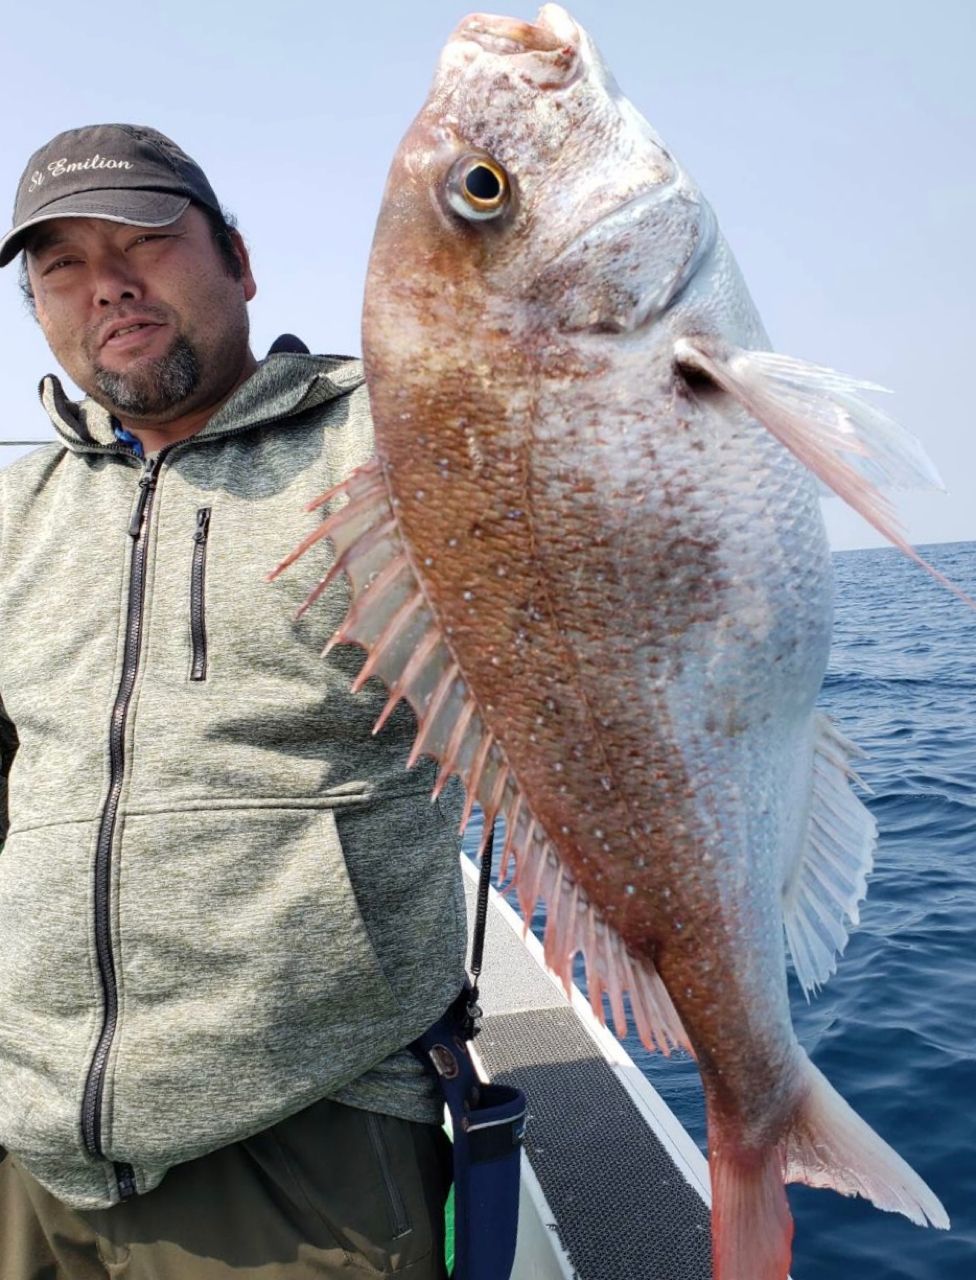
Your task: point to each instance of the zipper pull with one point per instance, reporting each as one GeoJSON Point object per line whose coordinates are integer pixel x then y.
{"type": "Point", "coordinates": [126, 1180]}
{"type": "Point", "coordinates": [147, 482]}
{"type": "Point", "coordinates": [203, 524]}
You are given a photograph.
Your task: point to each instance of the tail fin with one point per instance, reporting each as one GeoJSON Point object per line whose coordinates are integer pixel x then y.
{"type": "Point", "coordinates": [829, 1145]}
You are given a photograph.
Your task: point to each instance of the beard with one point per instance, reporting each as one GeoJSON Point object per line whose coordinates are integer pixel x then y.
{"type": "Point", "coordinates": [155, 387]}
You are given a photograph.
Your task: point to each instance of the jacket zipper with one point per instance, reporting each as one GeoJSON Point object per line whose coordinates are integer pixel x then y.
{"type": "Point", "coordinates": [399, 1221]}
{"type": "Point", "coordinates": [91, 1111]}
{"type": "Point", "coordinates": [198, 612]}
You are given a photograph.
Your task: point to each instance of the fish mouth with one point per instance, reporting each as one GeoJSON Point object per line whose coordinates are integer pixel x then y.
{"type": "Point", "coordinates": [507, 35]}
{"type": "Point", "coordinates": [553, 34]}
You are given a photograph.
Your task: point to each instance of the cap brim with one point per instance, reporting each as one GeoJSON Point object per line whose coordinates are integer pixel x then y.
{"type": "Point", "coordinates": [136, 208]}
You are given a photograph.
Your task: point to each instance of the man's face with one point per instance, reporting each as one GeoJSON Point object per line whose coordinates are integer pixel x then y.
{"type": "Point", "coordinates": [148, 321]}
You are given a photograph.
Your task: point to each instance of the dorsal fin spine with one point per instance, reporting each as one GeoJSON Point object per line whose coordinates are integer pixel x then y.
{"type": "Point", "coordinates": [493, 805]}
{"type": "Point", "coordinates": [511, 826]}
{"type": "Point", "coordinates": [415, 663]}
{"type": "Point", "coordinates": [474, 775]}
{"type": "Point", "coordinates": [390, 632]}
{"type": "Point", "coordinates": [426, 723]}
{"type": "Point", "coordinates": [449, 764]}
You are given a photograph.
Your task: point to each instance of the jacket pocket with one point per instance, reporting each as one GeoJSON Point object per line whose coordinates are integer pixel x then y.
{"type": "Point", "coordinates": [372, 1184]}
{"type": "Point", "coordinates": [398, 1221]}
{"type": "Point", "coordinates": [250, 984]}
{"type": "Point", "coordinates": [198, 596]}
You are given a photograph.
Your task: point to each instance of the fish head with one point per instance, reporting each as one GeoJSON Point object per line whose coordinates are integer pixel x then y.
{"type": "Point", "coordinates": [530, 185]}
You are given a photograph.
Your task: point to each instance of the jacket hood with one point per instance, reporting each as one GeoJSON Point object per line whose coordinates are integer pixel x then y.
{"type": "Point", "coordinates": [283, 385]}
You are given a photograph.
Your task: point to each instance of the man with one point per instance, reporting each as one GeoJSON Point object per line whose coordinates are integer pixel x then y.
{"type": "Point", "coordinates": [225, 908]}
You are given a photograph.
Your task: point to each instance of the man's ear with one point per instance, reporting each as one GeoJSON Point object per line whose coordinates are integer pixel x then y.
{"type": "Point", "coordinates": [247, 278]}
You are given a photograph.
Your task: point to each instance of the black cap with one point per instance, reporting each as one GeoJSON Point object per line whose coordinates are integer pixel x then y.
{"type": "Point", "coordinates": [122, 172]}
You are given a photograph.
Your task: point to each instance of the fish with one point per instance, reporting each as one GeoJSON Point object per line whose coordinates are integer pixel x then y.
{"type": "Point", "coordinates": [590, 554]}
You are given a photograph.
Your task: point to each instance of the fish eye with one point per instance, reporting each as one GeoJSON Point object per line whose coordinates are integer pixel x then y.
{"type": "Point", "coordinates": [478, 188]}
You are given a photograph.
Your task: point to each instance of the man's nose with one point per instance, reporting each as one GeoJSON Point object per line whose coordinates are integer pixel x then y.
{"type": "Point", "coordinates": [115, 282]}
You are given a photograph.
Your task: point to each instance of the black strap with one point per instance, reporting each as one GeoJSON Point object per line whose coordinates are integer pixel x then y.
{"type": "Point", "coordinates": [478, 935]}
{"type": "Point", "coordinates": [481, 911]}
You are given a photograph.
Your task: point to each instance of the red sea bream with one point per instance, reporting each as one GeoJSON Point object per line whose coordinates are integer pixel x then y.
{"type": "Point", "coordinates": [590, 553]}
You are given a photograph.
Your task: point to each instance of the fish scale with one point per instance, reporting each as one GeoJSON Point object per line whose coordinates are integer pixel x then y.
{"type": "Point", "coordinates": [589, 553]}
{"type": "Point", "coordinates": [563, 726]}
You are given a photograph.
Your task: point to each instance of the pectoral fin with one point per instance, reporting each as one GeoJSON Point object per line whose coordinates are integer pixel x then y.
{"type": "Point", "coordinates": [823, 419]}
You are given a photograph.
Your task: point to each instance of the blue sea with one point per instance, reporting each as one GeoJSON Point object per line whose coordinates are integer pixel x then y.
{"type": "Point", "coordinates": [894, 1030]}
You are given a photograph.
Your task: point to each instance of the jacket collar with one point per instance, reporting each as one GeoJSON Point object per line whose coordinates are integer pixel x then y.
{"type": "Point", "coordinates": [283, 385]}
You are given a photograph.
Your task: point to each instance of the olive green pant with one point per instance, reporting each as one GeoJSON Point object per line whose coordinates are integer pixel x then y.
{"type": "Point", "coordinates": [331, 1191]}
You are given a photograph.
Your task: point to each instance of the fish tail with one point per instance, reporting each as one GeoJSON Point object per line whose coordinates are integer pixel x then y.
{"type": "Point", "coordinates": [826, 1144]}
{"type": "Point", "coordinates": [829, 1145]}
{"type": "Point", "coordinates": [752, 1228]}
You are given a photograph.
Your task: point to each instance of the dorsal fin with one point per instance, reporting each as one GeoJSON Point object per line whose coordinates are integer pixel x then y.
{"type": "Point", "coordinates": [391, 618]}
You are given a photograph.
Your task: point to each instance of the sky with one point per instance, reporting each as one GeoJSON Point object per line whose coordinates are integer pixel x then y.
{"type": "Point", "coordinates": [835, 142]}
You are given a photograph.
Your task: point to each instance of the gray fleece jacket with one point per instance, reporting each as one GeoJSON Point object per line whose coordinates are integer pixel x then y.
{"type": "Point", "coordinates": [220, 897]}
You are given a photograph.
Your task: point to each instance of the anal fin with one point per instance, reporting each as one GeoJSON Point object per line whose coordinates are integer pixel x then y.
{"type": "Point", "coordinates": [824, 887]}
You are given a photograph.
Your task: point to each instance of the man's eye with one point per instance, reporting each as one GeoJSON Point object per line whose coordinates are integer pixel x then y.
{"type": "Point", "coordinates": [58, 264]}
{"type": "Point", "coordinates": [146, 238]}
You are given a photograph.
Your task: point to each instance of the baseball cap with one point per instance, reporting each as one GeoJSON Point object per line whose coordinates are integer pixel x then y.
{"type": "Point", "coordinates": [121, 172]}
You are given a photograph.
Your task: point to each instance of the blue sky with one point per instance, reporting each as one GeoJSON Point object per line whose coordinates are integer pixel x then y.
{"type": "Point", "coordinates": [835, 141]}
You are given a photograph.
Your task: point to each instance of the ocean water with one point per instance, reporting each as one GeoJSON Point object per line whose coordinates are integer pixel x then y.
{"type": "Point", "coordinates": [894, 1030]}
